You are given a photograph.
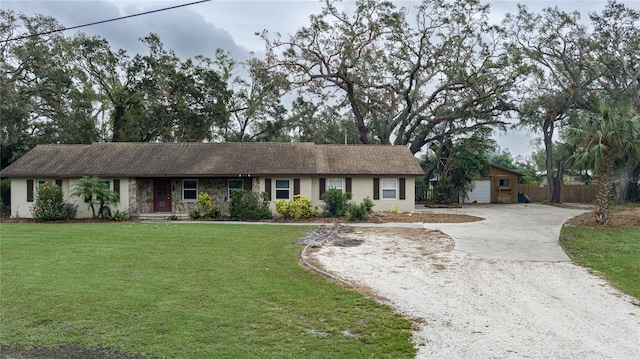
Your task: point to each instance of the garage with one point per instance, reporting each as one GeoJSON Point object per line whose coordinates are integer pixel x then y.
{"type": "Point", "coordinates": [481, 193]}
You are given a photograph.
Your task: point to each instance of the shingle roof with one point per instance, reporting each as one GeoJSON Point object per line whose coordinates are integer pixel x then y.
{"type": "Point", "coordinates": [125, 159]}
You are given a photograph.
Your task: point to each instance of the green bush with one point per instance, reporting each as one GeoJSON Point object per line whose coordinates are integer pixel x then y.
{"type": "Point", "coordinates": [205, 201]}
{"type": "Point", "coordinates": [213, 213]}
{"type": "Point", "coordinates": [335, 202]}
{"type": "Point", "coordinates": [69, 211]}
{"type": "Point", "coordinates": [300, 208]}
{"type": "Point", "coordinates": [360, 212]}
{"type": "Point", "coordinates": [119, 216]}
{"type": "Point", "coordinates": [249, 206]}
{"type": "Point", "coordinates": [49, 203]}
{"type": "Point", "coordinates": [195, 214]}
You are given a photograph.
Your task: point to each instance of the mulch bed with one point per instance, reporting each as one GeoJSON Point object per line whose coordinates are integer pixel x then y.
{"type": "Point", "coordinates": [619, 217]}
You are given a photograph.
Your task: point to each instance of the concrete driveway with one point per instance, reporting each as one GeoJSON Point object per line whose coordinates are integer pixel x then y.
{"type": "Point", "coordinates": [524, 232]}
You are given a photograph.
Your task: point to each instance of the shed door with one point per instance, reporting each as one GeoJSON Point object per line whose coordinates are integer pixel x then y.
{"type": "Point", "coordinates": [162, 195]}
{"type": "Point", "coordinates": [480, 193]}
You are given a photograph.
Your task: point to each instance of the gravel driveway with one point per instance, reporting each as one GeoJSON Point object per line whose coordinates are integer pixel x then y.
{"type": "Point", "coordinates": [498, 288]}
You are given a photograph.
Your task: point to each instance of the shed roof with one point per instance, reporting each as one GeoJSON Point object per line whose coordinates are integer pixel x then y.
{"type": "Point", "coordinates": [127, 159]}
{"type": "Point", "coordinates": [504, 169]}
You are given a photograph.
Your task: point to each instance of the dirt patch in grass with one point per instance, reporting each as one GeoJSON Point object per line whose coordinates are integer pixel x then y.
{"type": "Point", "coordinates": [619, 217]}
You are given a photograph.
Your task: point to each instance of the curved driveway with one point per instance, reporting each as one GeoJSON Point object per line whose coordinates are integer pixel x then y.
{"type": "Point", "coordinates": [506, 291]}
{"type": "Point", "coordinates": [526, 232]}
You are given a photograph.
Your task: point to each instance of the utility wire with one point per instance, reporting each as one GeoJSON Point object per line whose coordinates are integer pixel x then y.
{"type": "Point", "coordinates": [102, 21]}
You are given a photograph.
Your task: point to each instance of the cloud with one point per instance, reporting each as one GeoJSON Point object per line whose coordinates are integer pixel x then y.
{"type": "Point", "coordinates": [183, 30]}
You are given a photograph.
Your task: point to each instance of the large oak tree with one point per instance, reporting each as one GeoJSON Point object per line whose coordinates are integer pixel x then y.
{"type": "Point", "coordinates": [402, 81]}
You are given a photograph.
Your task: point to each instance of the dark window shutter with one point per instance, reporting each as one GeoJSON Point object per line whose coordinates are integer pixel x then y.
{"type": "Point", "coordinates": [116, 186]}
{"type": "Point", "coordinates": [376, 188]}
{"type": "Point", "coordinates": [347, 184]}
{"type": "Point", "coordinates": [59, 183]}
{"type": "Point", "coordinates": [29, 190]}
{"type": "Point", "coordinates": [267, 187]}
{"type": "Point", "coordinates": [403, 194]}
{"type": "Point", "coordinates": [323, 186]}
{"type": "Point", "coordinates": [247, 184]}
{"type": "Point", "coordinates": [296, 186]}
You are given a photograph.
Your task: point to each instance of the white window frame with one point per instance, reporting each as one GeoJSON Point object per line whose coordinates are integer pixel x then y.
{"type": "Point", "coordinates": [276, 189]}
{"type": "Point", "coordinates": [190, 189]}
{"type": "Point", "coordinates": [333, 185]}
{"type": "Point", "coordinates": [230, 189]}
{"type": "Point", "coordinates": [386, 188]}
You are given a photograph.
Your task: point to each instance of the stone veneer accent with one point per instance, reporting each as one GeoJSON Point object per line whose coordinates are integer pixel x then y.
{"type": "Point", "coordinates": [141, 194]}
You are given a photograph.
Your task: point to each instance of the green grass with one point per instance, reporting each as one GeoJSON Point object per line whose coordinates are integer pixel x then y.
{"type": "Point", "coordinates": [614, 253]}
{"type": "Point", "coordinates": [183, 290]}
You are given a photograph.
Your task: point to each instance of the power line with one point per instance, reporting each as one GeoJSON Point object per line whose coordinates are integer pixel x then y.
{"type": "Point", "coordinates": [103, 21]}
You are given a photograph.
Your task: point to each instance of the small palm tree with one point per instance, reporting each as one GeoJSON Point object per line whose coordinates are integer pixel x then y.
{"type": "Point", "coordinates": [603, 140]}
{"type": "Point", "coordinates": [94, 190]}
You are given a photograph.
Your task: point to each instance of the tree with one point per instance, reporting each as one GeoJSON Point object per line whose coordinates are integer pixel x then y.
{"type": "Point", "coordinates": [616, 45]}
{"type": "Point", "coordinates": [153, 97]}
{"type": "Point", "coordinates": [605, 141]}
{"type": "Point", "coordinates": [94, 190]}
{"type": "Point", "coordinates": [42, 100]}
{"type": "Point", "coordinates": [255, 105]}
{"type": "Point", "coordinates": [398, 82]}
{"type": "Point", "coordinates": [555, 47]}
{"type": "Point", "coordinates": [457, 163]}
{"type": "Point", "coordinates": [503, 159]}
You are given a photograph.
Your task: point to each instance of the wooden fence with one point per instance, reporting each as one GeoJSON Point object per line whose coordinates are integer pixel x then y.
{"type": "Point", "coordinates": [568, 193]}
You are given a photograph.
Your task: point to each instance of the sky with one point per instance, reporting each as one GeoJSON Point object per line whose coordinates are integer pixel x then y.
{"type": "Point", "coordinates": [232, 25]}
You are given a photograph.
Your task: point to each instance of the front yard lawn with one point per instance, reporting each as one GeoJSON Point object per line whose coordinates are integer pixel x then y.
{"type": "Point", "coordinates": [182, 290]}
{"type": "Point", "coordinates": [614, 253]}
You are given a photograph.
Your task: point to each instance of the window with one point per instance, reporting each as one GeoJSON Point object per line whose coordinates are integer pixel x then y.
{"type": "Point", "coordinates": [335, 183]}
{"type": "Point", "coordinates": [283, 189]}
{"type": "Point", "coordinates": [234, 184]}
{"type": "Point", "coordinates": [389, 188]}
{"type": "Point", "coordinates": [190, 190]}
{"type": "Point", "coordinates": [504, 183]}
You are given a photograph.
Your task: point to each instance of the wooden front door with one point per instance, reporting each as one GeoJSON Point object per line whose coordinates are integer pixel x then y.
{"type": "Point", "coordinates": [162, 195]}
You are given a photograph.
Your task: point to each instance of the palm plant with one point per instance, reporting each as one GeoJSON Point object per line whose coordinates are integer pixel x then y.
{"type": "Point", "coordinates": [603, 141]}
{"type": "Point", "coordinates": [94, 190]}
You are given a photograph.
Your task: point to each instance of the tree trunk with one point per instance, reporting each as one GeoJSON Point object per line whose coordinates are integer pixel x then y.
{"type": "Point", "coordinates": [555, 182]}
{"type": "Point", "coordinates": [604, 188]}
{"type": "Point", "coordinates": [117, 121]}
{"type": "Point", "coordinates": [624, 181]}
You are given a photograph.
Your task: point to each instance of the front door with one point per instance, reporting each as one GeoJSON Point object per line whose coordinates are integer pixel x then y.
{"type": "Point", "coordinates": [162, 195]}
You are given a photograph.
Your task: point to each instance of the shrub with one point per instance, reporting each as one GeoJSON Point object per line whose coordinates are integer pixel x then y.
{"type": "Point", "coordinates": [300, 208]}
{"type": "Point", "coordinates": [205, 201]}
{"type": "Point", "coordinates": [335, 202]}
{"type": "Point", "coordinates": [360, 212]}
{"type": "Point", "coordinates": [249, 206]}
{"type": "Point", "coordinates": [119, 216]}
{"type": "Point", "coordinates": [69, 211]}
{"type": "Point", "coordinates": [49, 203]}
{"type": "Point", "coordinates": [213, 213]}
{"type": "Point", "coordinates": [195, 214]}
